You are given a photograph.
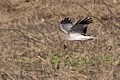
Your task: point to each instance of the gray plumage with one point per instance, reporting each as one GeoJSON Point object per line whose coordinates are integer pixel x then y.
{"type": "Point", "coordinates": [77, 31]}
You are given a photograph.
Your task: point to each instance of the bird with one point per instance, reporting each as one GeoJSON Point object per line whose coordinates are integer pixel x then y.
{"type": "Point", "coordinates": [76, 31]}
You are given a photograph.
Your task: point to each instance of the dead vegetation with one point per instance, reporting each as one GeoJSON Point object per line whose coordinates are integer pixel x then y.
{"type": "Point", "coordinates": [32, 48]}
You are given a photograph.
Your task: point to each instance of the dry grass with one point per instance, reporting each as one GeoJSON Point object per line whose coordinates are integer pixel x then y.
{"type": "Point", "coordinates": [32, 48]}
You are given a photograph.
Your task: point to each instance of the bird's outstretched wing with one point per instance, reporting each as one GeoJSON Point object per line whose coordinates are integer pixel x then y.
{"type": "Point", "coordinates": [81, 25]}
{"type": "Point", "coordinates": [66, 25]}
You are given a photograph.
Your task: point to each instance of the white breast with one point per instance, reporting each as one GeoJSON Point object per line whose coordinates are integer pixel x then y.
{"type": "Point", "coordinates": [77, 36]}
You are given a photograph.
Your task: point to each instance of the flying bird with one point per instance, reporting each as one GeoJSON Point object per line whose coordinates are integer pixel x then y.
{"type": "Point", "coordinates": [77, 31]}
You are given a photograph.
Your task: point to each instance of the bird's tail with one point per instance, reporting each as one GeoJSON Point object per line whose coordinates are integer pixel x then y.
{"type": "Point", "coordinates": [95, 38]}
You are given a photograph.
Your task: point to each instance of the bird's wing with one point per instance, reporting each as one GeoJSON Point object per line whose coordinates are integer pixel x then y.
{"type": "Point", "coordinates": [66, 25]}
{"type": "Point", "coordinates": [81, 25]}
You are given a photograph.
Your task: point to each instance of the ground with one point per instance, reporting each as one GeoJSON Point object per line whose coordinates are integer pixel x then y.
{"type": "Point", "coordinates": [32, 45]}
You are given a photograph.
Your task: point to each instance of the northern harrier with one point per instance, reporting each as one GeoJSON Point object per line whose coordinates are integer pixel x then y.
{"type": "Point", "coordinates": [77, 31]}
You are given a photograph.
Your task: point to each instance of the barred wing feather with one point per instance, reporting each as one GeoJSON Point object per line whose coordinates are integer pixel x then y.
{"type": "Point", "coordinates": [66, 25]}
{"type": "Point", "coordinates": [81, 25]}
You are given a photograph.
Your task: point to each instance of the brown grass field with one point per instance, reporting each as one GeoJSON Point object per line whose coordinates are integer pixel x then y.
{"type": "Point", "coordinates": [32, 46]}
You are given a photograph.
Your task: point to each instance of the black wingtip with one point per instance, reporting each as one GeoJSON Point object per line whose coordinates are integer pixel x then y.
{"type": "Point", "coordinates": [66, 20]}
{"type": "Point", "coordinates": [87, 20]}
